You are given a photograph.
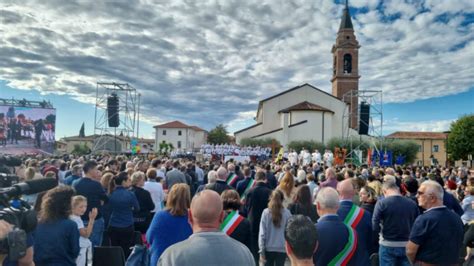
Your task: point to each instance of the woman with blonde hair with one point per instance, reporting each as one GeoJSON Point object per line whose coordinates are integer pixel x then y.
{"type": "Point", "coordinates": [271, 237]}
{"type": "Point", "coordinates": [287, 186]}
{"type": "Point", "coordinates": [170, 225]}
{"type": "Point", "coordinates": [143, 217]}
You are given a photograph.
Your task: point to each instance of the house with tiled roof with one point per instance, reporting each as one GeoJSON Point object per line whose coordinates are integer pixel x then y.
{"type": "Point", "coordinates": [431, 145]}
{"type": "Point", "coordinates": [182, 136]}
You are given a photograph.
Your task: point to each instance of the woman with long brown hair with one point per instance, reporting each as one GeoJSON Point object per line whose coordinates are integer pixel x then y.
{"type": "Point", "coordinates": [271, 238]}
{"type": "Point", "coordinates": [287, 186]}
{"type": "Point", "coordinates": [235, 225]}
{"type": "Point", "coordinates": [302, 203]}
{"type": "Point", "coordinates": [170, 225]}
{"type": "Point", "coordinates": [56, 236]}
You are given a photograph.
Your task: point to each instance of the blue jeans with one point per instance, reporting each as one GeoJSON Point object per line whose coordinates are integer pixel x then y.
{"type": "Point", "coordinates": [390, 256]}
{"type": "Point", "coordinates": [97, 232]}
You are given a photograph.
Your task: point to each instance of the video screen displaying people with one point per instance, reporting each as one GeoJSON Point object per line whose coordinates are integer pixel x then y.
{"type": "Point", "coordinates": [26, 130]}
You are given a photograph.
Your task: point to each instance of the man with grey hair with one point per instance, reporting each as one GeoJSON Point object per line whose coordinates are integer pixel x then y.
{"type": "Point", "coordinates": [337, 241]}
{"type": "Point", "coordinates": [436, 236]}
{"type": "Point", "coordinates": [331, 179]}
{"type": "Point", "coordinates": [205, 216]}
{"type": "Point", "coordinates": [220, 185]}
{"type": "Point", "coordinates": [393, 217]}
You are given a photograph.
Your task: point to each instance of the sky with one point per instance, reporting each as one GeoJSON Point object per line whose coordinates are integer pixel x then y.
{"type": "Point", "coordinates": [209, 62]}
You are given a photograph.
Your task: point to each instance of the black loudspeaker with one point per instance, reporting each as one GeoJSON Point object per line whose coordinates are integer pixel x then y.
{"type": "Point", "coordinates": [364, 115]}
{"type": "Point", "coordinates": [113, 110]}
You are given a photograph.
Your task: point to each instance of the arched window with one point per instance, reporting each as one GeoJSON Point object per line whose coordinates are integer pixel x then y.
{"type": "Point", "coordinates": [347, 63]}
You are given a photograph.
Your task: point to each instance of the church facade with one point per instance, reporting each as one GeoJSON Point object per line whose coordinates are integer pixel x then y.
{"type": "Point", "coordinates": [308, 113]}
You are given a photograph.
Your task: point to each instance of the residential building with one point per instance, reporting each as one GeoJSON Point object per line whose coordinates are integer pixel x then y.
{"type": "Point", "coordinates": [431, 145]}
{"type": "Point", "coordinates": [183, 137]}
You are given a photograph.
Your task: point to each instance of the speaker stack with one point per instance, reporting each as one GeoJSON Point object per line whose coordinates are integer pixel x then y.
{"type": "Point", "coordinates": [364, 116]}
{"type": "Point", "coordinates": [113, 110]}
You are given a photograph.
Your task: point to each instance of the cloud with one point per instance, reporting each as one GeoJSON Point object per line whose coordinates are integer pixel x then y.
{"type": "Point", "coordinates": [210, 62]}
{"type": "Point", "coordinates": [429, 126]}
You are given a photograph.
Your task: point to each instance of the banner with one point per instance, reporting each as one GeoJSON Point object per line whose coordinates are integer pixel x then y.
{"type": "Point", "coordinates": [369, 157]}
{"type": "Point", "coordinates": [357, 157]}
{"type": "Point", "coordinates": [386, 158]}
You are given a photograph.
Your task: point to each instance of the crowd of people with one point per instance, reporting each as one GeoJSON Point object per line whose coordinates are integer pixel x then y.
{"type": "Point", "coordinates": [190, 212]}
{"type": "Point", "coordinates": [234, 149]}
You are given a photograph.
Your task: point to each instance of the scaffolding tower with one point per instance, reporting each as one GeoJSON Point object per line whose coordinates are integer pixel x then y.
{"type": "Point", "coordinates": [375, 122]}
{"type": "Point", "coordinates": [128, 111]}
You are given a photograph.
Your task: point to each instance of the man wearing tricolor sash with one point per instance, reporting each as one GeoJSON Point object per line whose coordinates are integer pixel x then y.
{"type": "Point", "coordinates": [338, 242]}
{"type": "Point", "coordinates": [357, 218]}
{"type": "Point", "coordinates": [243, 185]}
{"type": "Point", "coordinates": [232, 177]}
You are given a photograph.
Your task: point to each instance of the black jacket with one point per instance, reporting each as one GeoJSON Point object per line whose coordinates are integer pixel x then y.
{"type": "Point", "coordinates": [242, 233]}
{"type": "Point", "coordinates": [257, 201]}
{"type": "Point", "coordinates": [142, 218]}
{"type": "Point", "coordinates": [219, 186]}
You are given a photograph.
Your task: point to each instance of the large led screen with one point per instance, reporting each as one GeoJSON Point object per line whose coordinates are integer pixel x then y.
{"type": "Point", "coordinates": [27, 130]}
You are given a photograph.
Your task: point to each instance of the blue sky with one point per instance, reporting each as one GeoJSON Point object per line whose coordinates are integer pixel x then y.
{"type": "Point", "coordinates": [210, 62]}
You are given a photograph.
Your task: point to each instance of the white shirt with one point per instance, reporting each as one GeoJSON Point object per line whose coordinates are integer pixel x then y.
{"type": "Point", "coordinates": [156, 192]}
{"type": "Point", "coordinates": [83, 242]}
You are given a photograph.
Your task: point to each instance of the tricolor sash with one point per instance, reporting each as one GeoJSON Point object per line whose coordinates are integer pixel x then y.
{"type": "Point", "coordinates": [231, 222]}
{"type": "Point", "coordinates": [354, 216]}
{"type": "Point", "coordinates": [231, 179]}
{"type": "Point", "coordinates": [250, 185]}
{"type": "Point", "coordinates": [347, 253]}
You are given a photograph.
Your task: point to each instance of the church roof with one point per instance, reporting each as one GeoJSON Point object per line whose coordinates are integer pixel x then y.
{"type": "Point", "coordinates": [346, 22]}
{"type": "Point", "coordinates": [295, 88]}
{"type": "Point", "coordinates": [417, 135]}
{"type": "Point", "coordinates": [305, 106]}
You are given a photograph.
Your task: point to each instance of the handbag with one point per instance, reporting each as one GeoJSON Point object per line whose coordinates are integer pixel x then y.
{"type": "Point", "coordinates": [140, 256]}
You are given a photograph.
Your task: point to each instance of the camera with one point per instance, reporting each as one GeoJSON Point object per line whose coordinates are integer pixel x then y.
{"type": "Point", "coordinates": [14, 211]}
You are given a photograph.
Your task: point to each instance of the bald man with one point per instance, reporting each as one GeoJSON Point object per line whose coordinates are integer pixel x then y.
{"type": "Point", "coordinates": [207, 245]}
{"type": "Point", "coordinates": [357, 218]}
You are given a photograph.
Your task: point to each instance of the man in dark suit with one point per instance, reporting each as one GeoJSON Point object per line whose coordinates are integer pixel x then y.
{"type": "Point", "coordinates": [242, 185]}
{"type": "Point", "coordinates": [357, 218]}
{"type": "Point", "coordinates": [220, 185]}
{"type": "Point", "coordinates": [257, 201]}
{"type": "Point", "coordinates": [334, 235]}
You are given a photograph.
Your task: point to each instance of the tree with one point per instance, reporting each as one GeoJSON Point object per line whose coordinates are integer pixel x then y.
{"type": "Point", "coordinates": [81, 149]}
{"type": "Point", "coordinates": [265, 142]}
{"type": "Point", "coordinates": [218, 135]}
{"type": "Point", "coordinates": [310, 145]}
{"type": "Point", "coordinates": [460, 142]}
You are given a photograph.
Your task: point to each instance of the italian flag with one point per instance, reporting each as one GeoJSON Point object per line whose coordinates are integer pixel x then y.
{"type": "Point", "coordinates": [343, 258]}
{"type": "Point", "coordinates": [354, 216]}
{"type": "Point", "coordinates": [231, 179]}
{"type": "Point", "coordinates": [231, 222]}
{"type": "Point", "coordinates": [250, 185]}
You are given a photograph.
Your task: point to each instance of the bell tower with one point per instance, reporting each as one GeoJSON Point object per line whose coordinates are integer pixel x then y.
{"type": "Point", "coordinates": [345, 75]}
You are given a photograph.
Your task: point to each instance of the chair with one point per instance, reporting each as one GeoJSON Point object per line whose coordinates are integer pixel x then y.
{"type": "Point", "coordinates": [107, 256]}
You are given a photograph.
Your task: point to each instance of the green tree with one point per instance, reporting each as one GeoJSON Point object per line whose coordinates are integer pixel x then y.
{"type": "Point", "coordinates": [405, 148]}
{"type": "Point", "coordinates": [218, 135]}
{"type": "Point", "coordinates": [460, 141]}
{"type": "Point", "coordinates": [265, 142]}
{"type": "Point", "coordinates": [81, 149]}
{"type": "Point", "coordinates": [310, 145]}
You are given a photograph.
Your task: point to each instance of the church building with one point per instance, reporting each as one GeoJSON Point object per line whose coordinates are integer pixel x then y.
{"type": "Point", "coordinates": [308, 113]}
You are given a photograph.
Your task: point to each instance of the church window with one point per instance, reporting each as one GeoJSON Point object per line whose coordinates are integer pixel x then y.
{"type": "Point", "coordinates": [334, 67]}
{"type": "Point", "coordinates": [347, 37]}
{"type": "Point", "coordinates": [347, 63]}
